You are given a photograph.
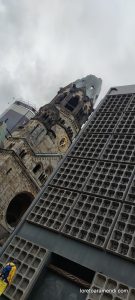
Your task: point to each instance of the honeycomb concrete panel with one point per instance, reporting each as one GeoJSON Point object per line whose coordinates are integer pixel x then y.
{"type": "Point", "coordinates": [126, 124]}
{"type": "Point", "coordinates": [110, 179]}
{"type": "Point", "coordinates": [131, 104]}
{"type": "Point", "coordinates": [120, 148]}
{"type": "Point", "coordinates": [73, 173]}
{"type": "Point", "coordinates": [52, 208]}
{"type": "Point", "coordinates": [131, 193]}
{"type": "Point", "coordinates": [91, 220]}
{"type": "Point", "coordinates": [103, 122]}
{"type": "Point", "coordinates": [116, 103]}
{"type": "Point", "coordinates": [89, 145]}
{"type": "Point", "coordinates": [29, 261]}
{"type": "Point", "coordinates": [109, 289]}
{"type": "Point", "coordinates": [122, 240]}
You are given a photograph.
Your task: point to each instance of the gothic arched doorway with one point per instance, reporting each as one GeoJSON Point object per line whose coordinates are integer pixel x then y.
{"type": "Point", "coordinates": [17, 207]}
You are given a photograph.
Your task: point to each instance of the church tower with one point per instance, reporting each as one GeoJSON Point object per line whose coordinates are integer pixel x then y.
{"type": "Point", "coordinates": [34, 150]}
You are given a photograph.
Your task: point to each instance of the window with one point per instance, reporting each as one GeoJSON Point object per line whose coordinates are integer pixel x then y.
{"type": "Point", "coordinates": [49, 170]}
{"type": "Point", "coordinates": [22, 153]}
{"type": "Point", "coordinates": [92, 88]}
{"type": "Point", "coordinates": [20, 127]}
{"type": "Point", "coordinates": [34, 128]}
{"type": "Point", "coordinates": [73, 102]}
{"type": "Point", "coordinates": [62, 122]}
{"type": "Point", "coordinates": [42, 178]}
{"type": "Point", "coordinates": [36, 168]}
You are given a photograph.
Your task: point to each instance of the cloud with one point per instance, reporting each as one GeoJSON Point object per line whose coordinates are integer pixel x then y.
{"type": "Point", "coordinates": [48, 44]}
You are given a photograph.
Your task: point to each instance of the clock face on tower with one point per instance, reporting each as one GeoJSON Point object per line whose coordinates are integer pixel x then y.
{"type": "Point", "coordinates": [63, 143]}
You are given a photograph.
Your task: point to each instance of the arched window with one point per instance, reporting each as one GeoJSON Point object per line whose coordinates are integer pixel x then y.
{"type": "Point", "coordinates": [49, 170]}
{"type": "Point", "coordinates": [17, 208]}
{"type": "Point", "coordinates": [92, 88]}
{"type": "Point", "coordinates": [73, 102]}
{"type": "Point", "coordinates": [37, 168]}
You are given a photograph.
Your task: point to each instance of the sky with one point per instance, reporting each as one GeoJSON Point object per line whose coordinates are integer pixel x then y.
{"type": "Point", "coordinates": [46, 44]}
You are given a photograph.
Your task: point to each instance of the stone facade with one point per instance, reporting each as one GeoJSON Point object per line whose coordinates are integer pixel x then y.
{"type": "Point", "coordinates": [32, 152]}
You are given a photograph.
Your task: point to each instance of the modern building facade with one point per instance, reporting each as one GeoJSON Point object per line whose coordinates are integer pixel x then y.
{"type": "Point", "coordinates": [18, 114]}
{"type": "Point", "coordinates": [3, 132]}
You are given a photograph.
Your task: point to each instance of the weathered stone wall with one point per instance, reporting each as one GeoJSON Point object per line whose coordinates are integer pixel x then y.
{"type": "Point", "coordinates": [13, 180]}
{"type": "Point", "coordinates": [45, 162]}
{"type": "Point", "coordinates": [40, 140]}
{"type": "Point", "coordinates": [22, 170]}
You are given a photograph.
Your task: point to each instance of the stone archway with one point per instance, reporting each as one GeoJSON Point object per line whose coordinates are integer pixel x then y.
{"type": "Point", "coordinates": [17, 207]}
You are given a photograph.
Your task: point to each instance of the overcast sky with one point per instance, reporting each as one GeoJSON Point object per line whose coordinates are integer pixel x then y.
{"type": "Point", "coordinates": [46, 44]}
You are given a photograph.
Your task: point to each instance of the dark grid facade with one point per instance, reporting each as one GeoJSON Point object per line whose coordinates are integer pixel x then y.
{"type": "Point", "coordinates": [100, 165]}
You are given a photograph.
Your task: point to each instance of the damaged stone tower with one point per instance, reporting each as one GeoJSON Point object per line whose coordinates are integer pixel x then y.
{"type": "Point", "coordinates": [33, 151]}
